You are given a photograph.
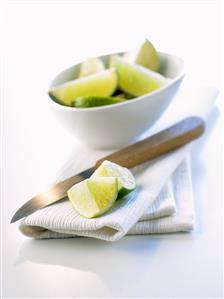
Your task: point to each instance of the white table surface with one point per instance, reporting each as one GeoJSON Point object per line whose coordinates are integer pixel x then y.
{"type": "Point", "coordinates": [45, 37]}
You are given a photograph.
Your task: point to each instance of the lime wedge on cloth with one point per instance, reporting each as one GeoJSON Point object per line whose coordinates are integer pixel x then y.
{"type": "Point", "coordinates": [125, 179]}
{"type": "Point", "coordinates": [135, 79]}
{"type": "Point", "coordinates": [94, 196]}
{"type": "Point", "coordinates": [91, 66]}
{"type": "Point", "coordinates": [102, 83]}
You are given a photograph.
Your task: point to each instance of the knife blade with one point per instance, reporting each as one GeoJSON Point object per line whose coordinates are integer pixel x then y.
{"type": "Point", "coordinates": [163, 142]}
{"type": "Point", "coordinates": [54, 194]}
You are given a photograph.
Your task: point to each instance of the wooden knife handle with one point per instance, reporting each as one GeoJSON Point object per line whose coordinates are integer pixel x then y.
{"type": "Point", "coordinates": [161, 143]}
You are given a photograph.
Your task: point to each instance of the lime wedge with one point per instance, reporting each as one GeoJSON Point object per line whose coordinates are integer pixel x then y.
{"type": "Point", "coordinates": [102, 84]}
{"type": "Point", "coordinates": [91, 66]}
{"type": "Point", "coordinates": [145, 55]}
{"type": "Point", "coordinates": [87, 102]}
{"type": "Point", "coordinates": [93, 197]}
{"type": "Point", "coordinates": [135, 79]}
{"type": "Point", "coordinates": [125, 179]}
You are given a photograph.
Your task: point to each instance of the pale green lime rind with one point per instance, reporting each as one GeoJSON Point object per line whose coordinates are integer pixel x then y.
{"type": "Point", "coordinates": [93, 197]}
{"type": "Point", "coordinates": [103, 83]}
{"type": "Point", "coordinates": [145, 55]}
{"type": "Point", "coordinates": [91, 66]}
{"type": "Point", "coordinates": [135, 79]}
{"type": "Point", "coordinates": [89, 102]}
{"type": "Point", "coordinates": [126, 180]}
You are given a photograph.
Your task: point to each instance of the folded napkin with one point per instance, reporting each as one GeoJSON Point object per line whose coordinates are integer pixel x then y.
{"type": "Point", "coordinates": [162, 202]}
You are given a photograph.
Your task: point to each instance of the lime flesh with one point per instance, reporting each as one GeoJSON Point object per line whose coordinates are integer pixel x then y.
{"type": "Point", "coordinates": [145, 55]}
{"type": "Point", "coordinates": [91, 66]}
{"type": "Point", "coordinates": [87, 102]}
{"type": "Point", "coordinates": [102, 83]}
{"type": "Point", "coordinates": [94, 196]}
{"type": "Point", "coordinates": [125, 179]}
{"type": "Point", "coordinates": [135, 79]}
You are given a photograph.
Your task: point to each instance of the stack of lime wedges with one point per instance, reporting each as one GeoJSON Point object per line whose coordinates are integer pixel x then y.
{"type": "Point", "coordinates": [125, 77]}
{"type": "Point", "coordinates": [96, 195]}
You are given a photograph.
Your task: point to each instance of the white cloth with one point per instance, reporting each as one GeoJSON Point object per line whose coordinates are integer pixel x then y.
{"type": "Point", "coordinates": [162, 202]}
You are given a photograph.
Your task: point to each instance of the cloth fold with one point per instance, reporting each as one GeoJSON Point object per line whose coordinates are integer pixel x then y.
{"type": "Point", "coordinates": [62, 219]}
{"type": "Point", "coordinates": [132, 215]}
{"type": "Point", "coordinates": [162, 202]}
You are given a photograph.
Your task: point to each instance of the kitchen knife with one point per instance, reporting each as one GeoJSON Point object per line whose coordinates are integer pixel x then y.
{"type": "Point", "coordinates": [163, 142]}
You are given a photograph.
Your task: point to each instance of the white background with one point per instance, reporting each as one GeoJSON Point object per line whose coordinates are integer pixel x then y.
{"type": "Point", "coordinates": [40, 39]}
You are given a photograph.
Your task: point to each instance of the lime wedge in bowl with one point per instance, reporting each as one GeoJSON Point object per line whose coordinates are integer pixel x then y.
{"type": "Point", "coordinates": [102, 83]}
{"type": "Point", "coordinates": [135, 79]}
{"type": "Point", "coordinates": [146, 55]}
{"type": "Point", "coordinates": [91, 66]}
{"type": "Point", "coordinates": [125, 179]}
{"type": "Point", "coordinates": [87, 102]}
{"type": "Point", "coordinates": [93, 197]}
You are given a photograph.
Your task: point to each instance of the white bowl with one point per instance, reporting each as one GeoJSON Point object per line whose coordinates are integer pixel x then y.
{"type": "Point", "coordinates": [114, 126]}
